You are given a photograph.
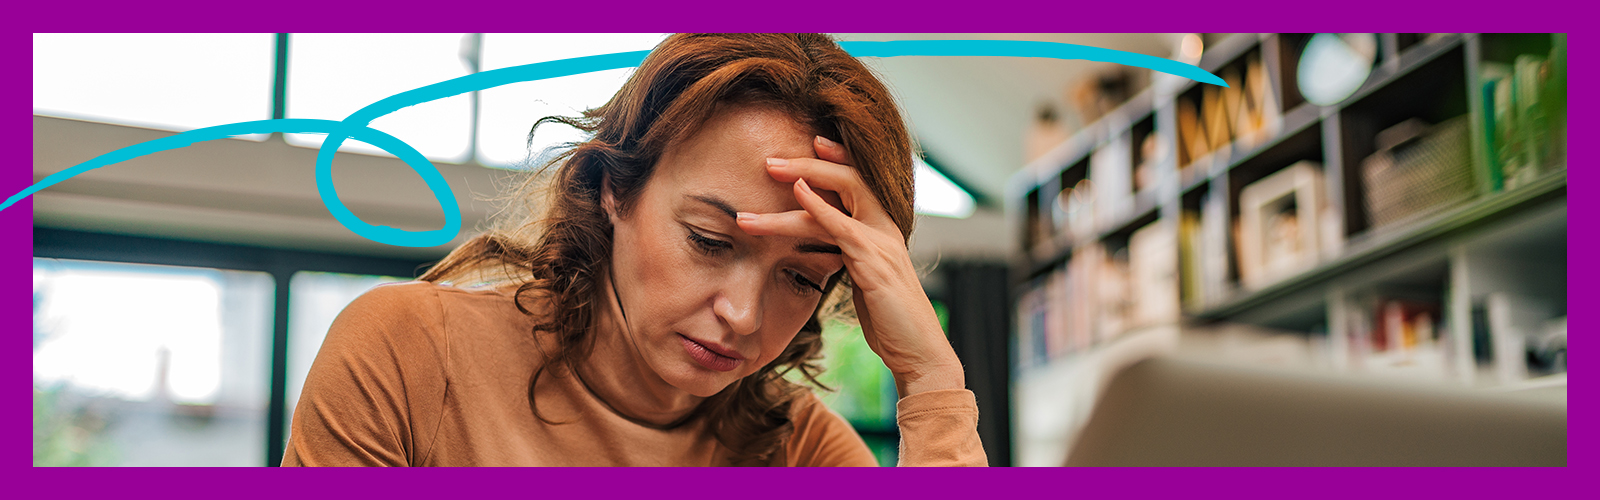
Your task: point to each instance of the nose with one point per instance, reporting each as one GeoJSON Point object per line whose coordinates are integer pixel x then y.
{"type": "Point", "coordinates": [740, 307]}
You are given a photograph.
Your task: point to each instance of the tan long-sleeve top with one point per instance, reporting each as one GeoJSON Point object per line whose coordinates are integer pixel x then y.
{"type": "Point", "coordinates": [433, 375]}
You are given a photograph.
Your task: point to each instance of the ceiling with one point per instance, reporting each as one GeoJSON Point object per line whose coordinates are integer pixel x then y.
{"type": "Point", "coordinates": [971, 114]}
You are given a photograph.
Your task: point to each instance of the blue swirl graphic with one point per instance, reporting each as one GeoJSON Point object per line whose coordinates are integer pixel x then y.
{"type": "Point", "coordinates": [355, 125]}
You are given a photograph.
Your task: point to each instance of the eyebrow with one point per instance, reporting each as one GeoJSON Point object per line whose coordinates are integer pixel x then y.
{"type": "Point", "coordinates": [818, 248]}
{"type": "Point", "coordinates": [802, 247]}
{"type": "Point", "coordinates": [716, 202]}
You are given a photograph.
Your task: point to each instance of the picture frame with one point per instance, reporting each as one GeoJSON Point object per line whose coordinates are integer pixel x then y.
{"type": "Point", "coordinates": [1279, 226]}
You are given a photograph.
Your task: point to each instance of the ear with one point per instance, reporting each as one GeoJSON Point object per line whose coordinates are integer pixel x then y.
{"type": "Point", "coordinates": [607, 201]}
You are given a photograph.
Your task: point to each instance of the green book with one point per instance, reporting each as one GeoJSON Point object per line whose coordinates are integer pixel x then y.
{"type": "Point", "coordinates": [1497, 125]}
{"type": "Point", "coordinates": [1529, 134]}
{"type": "Point", "coordinates": [1493, 80]}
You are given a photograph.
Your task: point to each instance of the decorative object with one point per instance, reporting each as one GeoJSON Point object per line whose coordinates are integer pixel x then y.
{"type": "Point", "coordinates": [1278, 224]}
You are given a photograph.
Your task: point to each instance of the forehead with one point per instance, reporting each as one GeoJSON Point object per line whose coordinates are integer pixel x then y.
{"type": "Point", "coordinates": [727, 157]}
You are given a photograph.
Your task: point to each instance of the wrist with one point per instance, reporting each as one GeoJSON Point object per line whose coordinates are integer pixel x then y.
{"type": "Point", "coordinates": [930, 379]}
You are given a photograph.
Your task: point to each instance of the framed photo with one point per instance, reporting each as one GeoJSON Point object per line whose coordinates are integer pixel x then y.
{"type": "Point", "coordinates": [1279, 224]}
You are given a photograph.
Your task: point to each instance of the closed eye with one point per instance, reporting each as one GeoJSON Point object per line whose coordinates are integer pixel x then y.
{"type": "Point", "coordinates": [804, 285]}
{"type": "Point", "coordinates": [708, 245]}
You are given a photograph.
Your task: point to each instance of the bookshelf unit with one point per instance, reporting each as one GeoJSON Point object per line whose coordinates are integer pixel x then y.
{"type": "Point", "coordinates": [1406, 268]}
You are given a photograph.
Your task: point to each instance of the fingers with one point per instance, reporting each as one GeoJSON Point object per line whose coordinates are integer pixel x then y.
{"type": "Point", "coordinates": [831, 151]}
{"type": "Point", "coordinates": [825, 175]}
{"type": "Point", "coordinates": [842, 230]}
{"type": "Point", "coordinates": [796, 223]}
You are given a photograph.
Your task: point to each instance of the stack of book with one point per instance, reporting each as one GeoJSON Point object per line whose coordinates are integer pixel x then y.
{"type": "Point", "coordinates": [1400, 336]}
{"type": "Point", "coordinates": [1098, 295]}
{"type": "Point", "coordinates": [1521, 131]}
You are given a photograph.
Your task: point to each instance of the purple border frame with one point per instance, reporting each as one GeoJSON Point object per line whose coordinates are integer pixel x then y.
{"type": "Point", "coordinates": [993, 16]}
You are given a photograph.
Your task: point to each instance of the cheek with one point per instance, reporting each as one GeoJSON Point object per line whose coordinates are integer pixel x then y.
{"type": "Point", "coordinates": [660, 280]}
{"type": "Point", "coordinates": [786, 322]}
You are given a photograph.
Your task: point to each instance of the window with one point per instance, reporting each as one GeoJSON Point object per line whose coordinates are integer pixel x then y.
{"type": "Point", "coordinates": [507, 113]}
{"type": "Point", "coordinates": [142, 365]}
{"type": "Point", "coordinates": [162, 81]}
{"type": "Point", "coordinates": [936, 195]}
{"type": "Point", "coordinates": [334, 75]}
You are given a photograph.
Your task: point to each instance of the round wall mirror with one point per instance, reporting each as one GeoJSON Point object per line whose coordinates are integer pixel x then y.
{"type": "Point", "coordinates": [1334, 66]}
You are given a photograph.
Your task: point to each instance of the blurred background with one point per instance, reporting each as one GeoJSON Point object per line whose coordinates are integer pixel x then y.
{"type": "Point", "coordinates": [1385, 207]}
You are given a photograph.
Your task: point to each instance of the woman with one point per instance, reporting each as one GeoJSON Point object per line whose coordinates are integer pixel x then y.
{"type": "Point", "coordinates": [736, 191]}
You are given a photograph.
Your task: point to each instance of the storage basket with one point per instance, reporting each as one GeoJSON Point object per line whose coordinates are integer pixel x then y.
{"type": "Point", "coordinates": [1419, 174]}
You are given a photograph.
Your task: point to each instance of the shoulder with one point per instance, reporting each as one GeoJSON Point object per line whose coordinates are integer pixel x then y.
{"type": "Point", "coordinates": [398, 303]}
{"type": "Point", "coordinates": [402, 320]}
{"type": "Point", "coordinates": [822, 437]}
{"type": "Point", "coordinates": [415, 305]}
{"type": "Point", "coordinates": [373, 393]}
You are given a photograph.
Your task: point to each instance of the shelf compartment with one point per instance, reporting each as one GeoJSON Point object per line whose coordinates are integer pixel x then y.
{"type": "Point", "coordinates": [1284, 50]}
{"type": "Point", "coordinates": [1505, 47]}
{"type": "Point", "coordinates": [1362, 252]}
{"type": "Point", "coordinates": [1434, 90]}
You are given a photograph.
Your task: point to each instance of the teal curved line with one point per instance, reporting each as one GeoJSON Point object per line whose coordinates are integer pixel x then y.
{"type": "Point", "coordinates": [355, 125]}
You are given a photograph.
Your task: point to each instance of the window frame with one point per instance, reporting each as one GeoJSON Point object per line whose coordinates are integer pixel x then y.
{"type": "Point", "coordinates": [281, 264]}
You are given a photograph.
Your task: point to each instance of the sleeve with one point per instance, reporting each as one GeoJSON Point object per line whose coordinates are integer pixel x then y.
{"type": "Point", "coordinates": [940, 429]}
{"type": "Point", "coordinates": [822, 438]}
{"type": "Point", "coordinates": [375, 393]}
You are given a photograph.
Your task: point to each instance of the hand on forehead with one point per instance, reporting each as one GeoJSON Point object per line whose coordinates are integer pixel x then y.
{"type": "Point", "coordinates": [727, 158]}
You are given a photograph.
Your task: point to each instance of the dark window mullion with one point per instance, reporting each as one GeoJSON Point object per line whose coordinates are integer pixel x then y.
{"type": "Point", "coordinates": [278, 401]}
{"type": "Point", "coordinates": [280, 78]}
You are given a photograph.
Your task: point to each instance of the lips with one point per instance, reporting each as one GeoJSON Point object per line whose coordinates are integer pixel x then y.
{"type": "Point", "coordinates": [710, 355]}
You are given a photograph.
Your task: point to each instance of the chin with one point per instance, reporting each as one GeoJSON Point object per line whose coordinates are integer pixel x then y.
{"type": "Point", "coordinates": [695, 380]}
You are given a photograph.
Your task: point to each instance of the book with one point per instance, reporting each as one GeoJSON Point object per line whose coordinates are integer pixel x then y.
{"type": "Point", "coordinates": [1057, 295]}
{"type": "Point", "coordinates": [1399, 337]}
{"type": "Point", "coordinates": [1213, 247]}
{"type": "Point", "coordinates": [1111, 288]}
{"type": "Point", "coordinates": [1084, 307]}
{"type": "Point", "coordinates": [1495, 95]}
{"type": "Point", "coordinates": [1192, 292]}
{"type": "Point", "coordinates": [1111, 170]}
{"type": "Point", "coordinates": [1528, 78]}
{"type": "Point", "coordinates": [1029, 339]}
{"type": "Point", "coordinates": [1153, 275]}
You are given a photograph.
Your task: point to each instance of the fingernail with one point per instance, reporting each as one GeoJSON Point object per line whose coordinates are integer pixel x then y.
{"type": "Point", "coordinates": [825, 142]}
{"type": "Point", "coordinates": [777, 162]}
{"type": "Point", "coordinates": [748, 217]}
{"type": "Point", "coordinates": [803, 185]}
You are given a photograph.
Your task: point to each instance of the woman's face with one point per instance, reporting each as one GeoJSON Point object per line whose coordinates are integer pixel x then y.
{"type": "Point", "coordinates": [705, 303]}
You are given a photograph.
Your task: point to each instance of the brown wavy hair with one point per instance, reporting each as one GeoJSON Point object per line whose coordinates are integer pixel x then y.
{"type": "Point", "coordinates": [560, 251]}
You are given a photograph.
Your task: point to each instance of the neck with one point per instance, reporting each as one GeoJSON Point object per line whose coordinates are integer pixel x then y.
{"type": "Point", "coordinates": [616, 372]}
